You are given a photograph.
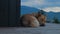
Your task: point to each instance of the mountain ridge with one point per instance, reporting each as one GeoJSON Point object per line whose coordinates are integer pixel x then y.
{"type": "Point", "coordinates": [50, 15]}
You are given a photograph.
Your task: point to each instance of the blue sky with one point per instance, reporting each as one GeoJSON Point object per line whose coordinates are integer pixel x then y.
{"type": "Point", "coordinates": [47, 5]}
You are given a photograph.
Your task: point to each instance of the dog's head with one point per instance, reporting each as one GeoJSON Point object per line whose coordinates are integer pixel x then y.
{"type": "Point", "coordinates": [41, 18]}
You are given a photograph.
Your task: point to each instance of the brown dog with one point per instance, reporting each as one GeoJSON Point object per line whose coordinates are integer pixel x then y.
{"type": "Point", "coordinates": [28, 20]}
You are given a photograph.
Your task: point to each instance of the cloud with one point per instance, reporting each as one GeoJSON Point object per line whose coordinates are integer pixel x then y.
{"type": "Point", "coordinates": [33, 3]}
{"type": "Point", "coordinates": [53, 9]}
{"type": "Point", "coordinates": [47, 5]}
{"type": "Point", "coordinates": [40, 4]}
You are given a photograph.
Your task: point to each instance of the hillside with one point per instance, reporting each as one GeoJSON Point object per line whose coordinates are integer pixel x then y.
{"type": "Point", "coordinates": [28, 10]}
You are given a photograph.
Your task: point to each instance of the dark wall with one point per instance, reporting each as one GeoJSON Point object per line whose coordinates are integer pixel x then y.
{"type": "Point", "coordinates": [3, 12]}
{"type": "Point", "coordinates": [9, 12]}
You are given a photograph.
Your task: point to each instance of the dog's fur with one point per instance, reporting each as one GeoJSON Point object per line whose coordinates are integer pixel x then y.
{"type": "Point", "coordinates": [29, 20]}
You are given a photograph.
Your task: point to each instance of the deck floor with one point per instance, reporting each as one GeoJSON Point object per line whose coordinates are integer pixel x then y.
{"type": "Point", "coordinates": [48, 29]}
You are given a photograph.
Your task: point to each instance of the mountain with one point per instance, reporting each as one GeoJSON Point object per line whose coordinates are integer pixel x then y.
{"type": "Point", "coordinates": [28, 10]}
{"type": "Point", "coordinates": [51, 15]}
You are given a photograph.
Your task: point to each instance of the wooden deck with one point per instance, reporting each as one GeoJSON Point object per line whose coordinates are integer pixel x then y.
{"type": "Point", "coordinates": [48, 29]}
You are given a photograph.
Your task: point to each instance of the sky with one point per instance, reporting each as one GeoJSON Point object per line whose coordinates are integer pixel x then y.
{"type": "Point", "coordinates": [46, 5]}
